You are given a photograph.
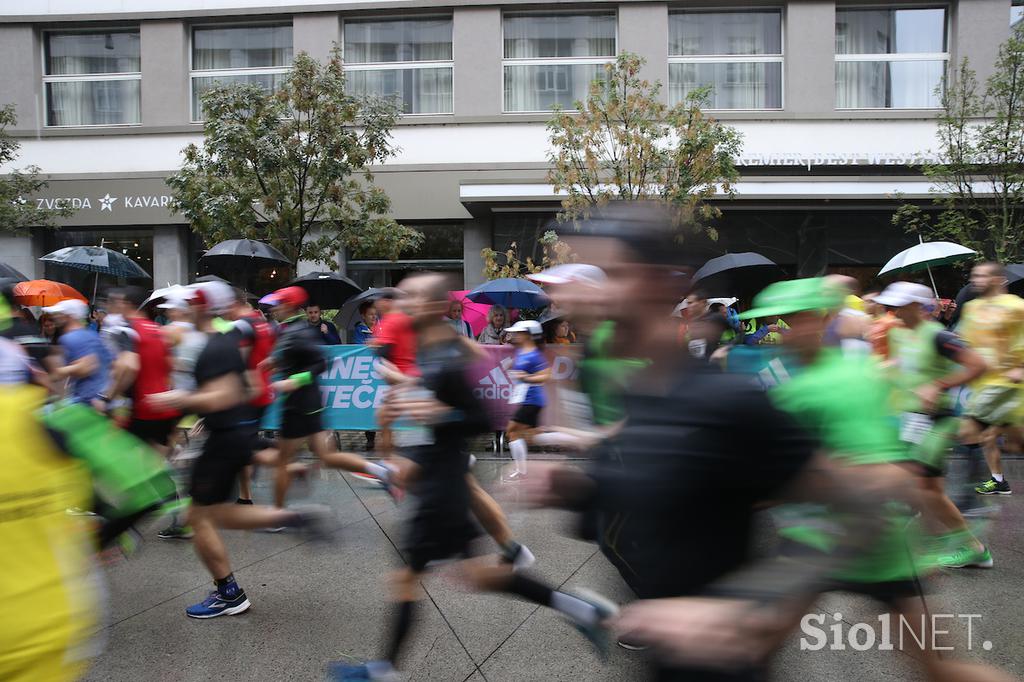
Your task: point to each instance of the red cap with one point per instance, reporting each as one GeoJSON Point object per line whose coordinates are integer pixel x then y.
{"type": "Point", "coordinates": [293, 296]}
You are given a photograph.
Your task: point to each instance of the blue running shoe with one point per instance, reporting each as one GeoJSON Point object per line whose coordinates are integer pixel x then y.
{"type": "Point", "coordinates": [374, 670]}
{"type": "Point", "coordinates": [218, 605]}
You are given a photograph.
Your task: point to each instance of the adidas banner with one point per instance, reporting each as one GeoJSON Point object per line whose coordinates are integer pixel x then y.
{"type": "Point", "coordinates": [351, 388]}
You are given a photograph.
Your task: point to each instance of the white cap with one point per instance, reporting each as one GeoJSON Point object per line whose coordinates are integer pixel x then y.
{"type": "Point", "coordinates": [71, 307]}
{"type": "Point", "coordinates": [581, 273]}
{"type": "Point", "coordinates": [530, 326]}
{"type": "Point", "coordinates": [217, 296]}
{"type": "Point", "coordinates": [899, 294]}
{"type": "Point", "coordinates": [174, 303]}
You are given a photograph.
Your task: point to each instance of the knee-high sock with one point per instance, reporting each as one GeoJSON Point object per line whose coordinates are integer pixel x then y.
{"type": "Point", "coordinates": [575, 608]}
{"type": "Point", "coordinates": [403, 623]}
{"type": "Point", "coordinates": [518, 450]}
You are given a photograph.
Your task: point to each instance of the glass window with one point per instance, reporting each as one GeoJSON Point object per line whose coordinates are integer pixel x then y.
{"type": "Point", "coordinates": [737, 54]}
{"type": "Point", "coordinates": [441, 251]}
{"type": "Point", "coordinates": [551, 59]}
{"type": "Point", "coordinates": [1016, 13]}
{"type": "Point", "coordinates": [92, 78]}
{"type": "Point", "coordinates": [238, 54]}
{"type": "Point", "coordinates": [890, 58]}
{"type": "Point", "coordinates": [406, 59]}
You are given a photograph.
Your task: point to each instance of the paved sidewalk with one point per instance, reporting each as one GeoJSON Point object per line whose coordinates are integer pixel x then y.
{"type": "Point", "coordinates": [314, 604]}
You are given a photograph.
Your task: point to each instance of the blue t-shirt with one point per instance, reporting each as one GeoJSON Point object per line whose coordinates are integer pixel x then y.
{"type": "Point", "coordinates": [532, 362]}
{"type": "Point", "coordinates": [78, 344]}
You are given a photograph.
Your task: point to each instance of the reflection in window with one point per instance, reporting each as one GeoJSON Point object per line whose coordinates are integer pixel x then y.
{"type": "Point", "coordinates": [551, 59]}
{"type": "Point", "coordinates": [222, 55]}
{"type": "Point", "coordinates": [890, 58]}
{"type": "Point", "coordinates": [92, 78]}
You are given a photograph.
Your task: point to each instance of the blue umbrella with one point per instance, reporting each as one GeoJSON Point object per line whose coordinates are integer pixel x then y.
{"type": "Point", "coordinates": [509, 292]}
{"type": "Point", "coordinates": [97, 259]}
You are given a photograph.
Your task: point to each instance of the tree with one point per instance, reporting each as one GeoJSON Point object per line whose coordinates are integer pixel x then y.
{"type": "Point", "coordinates": [624, 143]}
{"type": "Point", "coordinates": [499, 264]}
{"type": "Point", "coordinates": [291, 168]}
{"type": "Point", "coordinates": [978, 175]}
{"type": "Point", "coordinates": [17, 187]}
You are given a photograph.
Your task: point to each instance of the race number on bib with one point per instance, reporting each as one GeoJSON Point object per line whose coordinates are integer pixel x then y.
{"type": "Point", "coordinates": [518, 393]}
{"type": "Point", "coordinates": [914, 427]}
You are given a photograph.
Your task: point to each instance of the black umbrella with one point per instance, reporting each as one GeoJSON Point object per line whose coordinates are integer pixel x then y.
{"type": "Point", "coordinates": [1015, 277]}
{"type": "Point", "coordinates": [212, 278]}
{"type": "Point", "coordinates": [736, 274]}
{"type": "Point", "coordinates": [97, 259]}
{"type": "Point", "coordinates": [6, 271]}
{"type": "Point", "coordinates": [242, 251]}
{"type": "Point", "coordinates": [327, 289]}
{"type": "Point", "coordinates": [347, 315]}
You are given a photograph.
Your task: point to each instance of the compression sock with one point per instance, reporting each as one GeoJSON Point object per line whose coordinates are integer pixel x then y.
{"type": "Point", "coordinates": [227, 586]}
{"type": "Point", "coordinates": [380, 471]}
{"type": "Point", "coordinates": [518, 450]}
{"type": "Point", "coordinates": [575, 608]}
{"type": "Point", "coordinates": [403, 622]}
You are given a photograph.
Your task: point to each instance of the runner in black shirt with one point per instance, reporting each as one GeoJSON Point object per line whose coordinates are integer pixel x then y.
{"type": "Point", "coordinates": [221, 397]}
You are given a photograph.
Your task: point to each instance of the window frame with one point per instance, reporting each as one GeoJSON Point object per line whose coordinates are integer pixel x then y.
{"type": "Point", "coordinates": [552, 61]}
{"type": "Point", "coordinates": [87, 77]}
{"type": "Point", "coordinates": [408, 65]}
{"type": "Point", "coordinates": [779, 58]}
{"type": "Point", "coordinates": [891, 57]}
{"type": "Point", "coordinates": [194, 73]}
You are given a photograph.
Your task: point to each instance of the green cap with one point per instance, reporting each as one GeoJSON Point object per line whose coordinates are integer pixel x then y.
{"type": "Point", "coordinates": [795, 295]}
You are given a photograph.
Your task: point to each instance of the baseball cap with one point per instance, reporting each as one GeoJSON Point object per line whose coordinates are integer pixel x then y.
{"type": "Point", "coordinates": [293, 296]}
{"type": "Point", "coordinates": [174, 303]}
{"type": "Point", "coordinates": [71, 307]}
{"type": "Point", "coordinates": [581, 273]}
{"type": "Point", "coordinates": [218, 297]}
{"type": "Point", "coordinates": [795, 295]}
{"type": "Point", "coordinates": [899, 294]}
{"type": "Point", "coordinates": [531, 326]}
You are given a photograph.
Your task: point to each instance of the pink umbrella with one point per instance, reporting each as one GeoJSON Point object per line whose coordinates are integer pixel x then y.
{"type": "Point", "coordinates": [474, 313]}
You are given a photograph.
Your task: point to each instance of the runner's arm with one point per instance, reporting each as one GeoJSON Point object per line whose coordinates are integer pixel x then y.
{"type": "Point", "coordinates": [971, 364]}
{"type": "Point", "coordinates": [82, 367]}
{"type": "Point", "coordinates": [215, 395]}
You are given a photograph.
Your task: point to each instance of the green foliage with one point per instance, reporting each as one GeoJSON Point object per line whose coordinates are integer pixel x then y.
{"type": "Point", "coordinates": [18, 212]}
{"type": "Point", "coordinates": [978, 178]}
{"type": "Point", "coordinates": [509, 263]}
{"type": "Point", "coordinates": [291, 168]}
{"type": "Point", "coordinates": [624, 144]}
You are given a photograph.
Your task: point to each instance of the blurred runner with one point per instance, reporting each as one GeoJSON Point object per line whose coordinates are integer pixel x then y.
{"type": "Point", "coordinates": [440, 526]}
{"type": "Point", "coordinates": [86, 363]}
{"type": "Point", "coordinates": [220, 397]}
{"type": "Point", "coordinates": [928, 362]}
{"type": "Point", "coordinates": [529, 372]}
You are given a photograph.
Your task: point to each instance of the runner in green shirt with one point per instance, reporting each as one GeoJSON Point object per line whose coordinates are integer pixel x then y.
{"type": "Point", "coordinates": [927, 361]}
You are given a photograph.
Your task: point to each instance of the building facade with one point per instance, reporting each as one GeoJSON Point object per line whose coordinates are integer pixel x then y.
{"type": "Point", "coordinates": [835, 101]}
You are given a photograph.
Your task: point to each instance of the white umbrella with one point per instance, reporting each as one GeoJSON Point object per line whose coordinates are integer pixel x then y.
{"type": "Point", "coordinates": [173, 291]}
{"type": "Point", "coordinates": [926, 254]}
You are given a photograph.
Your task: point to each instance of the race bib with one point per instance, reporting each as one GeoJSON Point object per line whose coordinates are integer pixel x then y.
{"type": "Point", "coordinates": [518, 394]}
{"type": "Point", "coordinates": [914, 427]}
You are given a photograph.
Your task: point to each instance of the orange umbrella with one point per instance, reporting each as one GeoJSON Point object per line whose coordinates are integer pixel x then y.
{"type": "Point", "coordinates": [43, 292]}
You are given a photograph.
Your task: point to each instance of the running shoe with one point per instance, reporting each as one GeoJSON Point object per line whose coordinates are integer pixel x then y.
{"type": "Point", "coordinates": [967, 557]}
{"type": "Point", "coordinates": [596, 632]}
{"type": "Point", "coordinates": [397, 493]}
{"type": "Point", "coordinates": [176, 533]}
{"type": "Point", "coordinates": [631, 646]}
{"type": "Point", "coordinates": [242, 500]}
{"type": "Point", "coordinates": [314, 521]}
{"type": "Point", "coordinates": [217, 604]}
{"type": "Point", "coordinates": [518, 555]}
{"type": "Point", "coordinates": [994, 487]}
{"type": "Point", "coordinates": [369, 478]}
{"type": "Point", "coordinates": [374, 670]}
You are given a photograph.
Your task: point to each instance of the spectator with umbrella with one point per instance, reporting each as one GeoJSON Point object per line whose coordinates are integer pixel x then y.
{"type": "Point", "coordinates": [98, 260]}
{"type": "Point", "coordinates": [327, 330]}
{"type": "Point", "coordinates": [494, 333]}
{"type": "Point", "coordinates": [454, 318]}
{"type": "Point", "coordinates": [363, 331]}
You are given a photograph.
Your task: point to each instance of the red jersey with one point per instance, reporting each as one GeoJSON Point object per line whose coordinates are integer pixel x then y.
{"type": "Point", "coordinates": [395, 331]}
{"type": "Point", "coordinates": [258, 337]}
{"type": "Point", "coordinates": [155, 367]}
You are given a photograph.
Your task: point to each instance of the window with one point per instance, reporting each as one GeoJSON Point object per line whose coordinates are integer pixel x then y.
{"type": "Point", "coordinates": [1016, 13]}
{"type": "Point", "coordinates": [92, 78]}
{"type": "Point", "coordinates": [551, 59]}
{"type": "Point", "coordinates": [406, 59]}
{"type": "Point", "coordinates": [890, 58]}
{"type": "Point", "coordinates": [238, 54]}
{"type": "Point", "coordinates": [737, 54]}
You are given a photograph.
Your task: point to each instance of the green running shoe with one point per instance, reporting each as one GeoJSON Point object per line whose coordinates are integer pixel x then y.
{"type": "Point", "coordinates": [966, 557]}
{"type": "Point", "coordinates": [994, 487]}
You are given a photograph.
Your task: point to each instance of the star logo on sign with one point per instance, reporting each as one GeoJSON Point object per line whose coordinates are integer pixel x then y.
{"type": "Point", "coordinates": [107, 202]}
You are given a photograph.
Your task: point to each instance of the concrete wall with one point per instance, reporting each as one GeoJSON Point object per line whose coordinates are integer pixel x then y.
{"type": "Point", "coordinates": [165, 81]}
{"type": "Point", "coordinates": [21, 75]}
{"type": "Point", "coordinates": [477, 50]}
{"type": "Point", "coordinates": [477, 236]}
{"type": "Point", "coordinates": [170, 255]}
{"type": "Point", "coordinates": [643, 30]}
{"type": "Point", "coordinates": [316, 33]}
{"type": "Point", "coordinates": [978, 29]}
{"type": "Point", "coordinates": [809, 31]}
{"type": "Point", "coordinates": [21, 253]}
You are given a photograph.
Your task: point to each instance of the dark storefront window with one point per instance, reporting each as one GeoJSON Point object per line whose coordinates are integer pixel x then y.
{"type": "Point", "coordinates": [136, 243]}
{"type": "Point", "coordinates": [441, 251]}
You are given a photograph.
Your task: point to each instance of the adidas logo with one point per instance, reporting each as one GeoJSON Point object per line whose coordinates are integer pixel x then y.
{"type": "Point", "coordinates": [495, 385]}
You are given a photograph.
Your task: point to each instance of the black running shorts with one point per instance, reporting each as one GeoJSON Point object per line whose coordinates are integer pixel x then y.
{"type": "Point", "coordinates": [215, 472]}
{"type": "Point", "coordinates": [154, 431]}
{"type": "Point", "coordinates": [299, 425]}
{"type": "Point", "coordinates": [528, 415]}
